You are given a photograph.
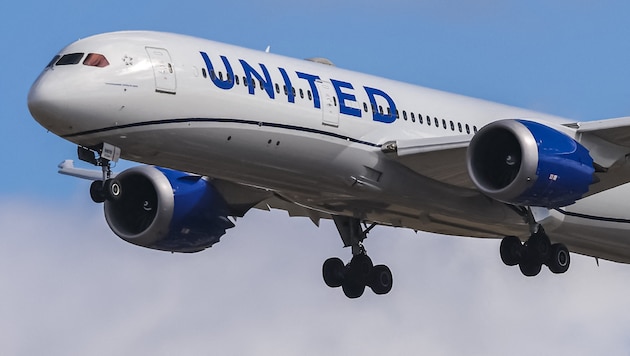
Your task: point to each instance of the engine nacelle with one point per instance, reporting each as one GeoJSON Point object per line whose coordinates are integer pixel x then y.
{"type": "Point", "coordinates": [167, 210]}
{"type": "Point", "coordinates": [527, 163]}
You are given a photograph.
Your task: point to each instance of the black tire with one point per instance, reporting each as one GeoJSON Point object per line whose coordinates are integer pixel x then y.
{"type": "Point", "coordinates": [112, 190]}
{"type": "Point", "coordinates": [381, 280]}
{"type": "Point", "coordinates": [96, 191]}
{"type": "Point", "coordinates": [539, 248]}
{"type": "Point", "coordinates": [361, 264]}
{"type": "Point", "coordinates": [333, 272]}
{"type": "Point", "coordinates": [352, 288]}
{"type": "Point", "coordinates": [530, 267]}
{"type": "Point", "coordinates": [559, 259]}
{"type": "Point", "coordinates": [356, 276]}
{"type": "Point", "coordinates": [511, 250]}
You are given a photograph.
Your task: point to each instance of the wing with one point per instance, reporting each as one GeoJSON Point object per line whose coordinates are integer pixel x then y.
{"type": "Point", "coordinates": [439, 158]}
{"type": "Point", "coordinates": [444, 158]}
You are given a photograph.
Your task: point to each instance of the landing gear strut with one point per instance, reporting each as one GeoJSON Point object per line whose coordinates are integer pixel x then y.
{"type": "Point", "coordinates": [108, 188]}
{"type": "Point", "coordinates": [360, 272]}
{"type": "Point", "coordinates": [534, 253]}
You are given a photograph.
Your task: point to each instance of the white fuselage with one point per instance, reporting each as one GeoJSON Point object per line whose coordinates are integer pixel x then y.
{"type": "Point", "coordinates": [175, 101]}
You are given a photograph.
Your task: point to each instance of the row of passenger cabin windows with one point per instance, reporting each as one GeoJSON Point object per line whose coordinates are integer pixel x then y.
{"type": "Point", "coordinates": [435, 122]}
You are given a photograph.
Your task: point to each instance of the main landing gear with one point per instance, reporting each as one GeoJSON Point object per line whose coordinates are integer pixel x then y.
{"type": "Point", "coordinates": [535, 252]}
{"type": "Point", "coordinates": [360, 272]}
{"type": "Point", "coordinates": [108, 188]}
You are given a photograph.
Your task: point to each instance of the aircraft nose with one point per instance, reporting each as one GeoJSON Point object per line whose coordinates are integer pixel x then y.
{"type": "Point", "coordinates": [46, 101]}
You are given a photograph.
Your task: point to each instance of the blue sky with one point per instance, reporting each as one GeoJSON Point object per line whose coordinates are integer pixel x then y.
{"type": "Point", "coordinates": [71, 287]}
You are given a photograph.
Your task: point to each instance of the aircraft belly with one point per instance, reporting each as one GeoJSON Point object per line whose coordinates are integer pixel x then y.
{"type": "Point", "coordinates": [325, 173]}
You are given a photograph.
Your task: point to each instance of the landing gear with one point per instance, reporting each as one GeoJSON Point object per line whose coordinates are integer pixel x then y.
{"type": "Point", "coordinates": [108, 188]}
{"type": "Point", "coordinates": [360, 272]}
{"type": "Point", "coordinates": [534, 253]}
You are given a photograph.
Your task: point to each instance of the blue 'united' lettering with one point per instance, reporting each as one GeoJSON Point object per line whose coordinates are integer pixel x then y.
{"type": "Point", "coordinates": [344, 90]}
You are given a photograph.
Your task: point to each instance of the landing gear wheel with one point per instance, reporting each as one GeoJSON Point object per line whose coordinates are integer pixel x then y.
{"type": "Point", "coordinates": [356, 278]}
{"type": "Point", "coordinates": [333, 271]}
{"type": "Point", "coordinates": [96, 191]}
{"type": "Point", "coordinates": [511, 250]}
{"type": "Point", "coordinates": [530, 267]}
{"type": "Point", "coordinates": [380, 279]}
{"type": "Point", "coordinates": [352, 288]}
{"type": "Point", "coordinates": [559, 259]}
{"type": "Point", "coordinates": [112, 190]}
{"type": "Point", "coordinates": [538, 247]}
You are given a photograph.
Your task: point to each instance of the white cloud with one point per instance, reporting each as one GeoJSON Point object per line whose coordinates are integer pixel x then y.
{"type": "Point", "coordinates": [71, 287]}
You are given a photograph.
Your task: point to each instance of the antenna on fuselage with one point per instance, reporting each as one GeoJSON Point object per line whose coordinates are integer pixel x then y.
{"type": "Point", "coordinates": [267, 50]}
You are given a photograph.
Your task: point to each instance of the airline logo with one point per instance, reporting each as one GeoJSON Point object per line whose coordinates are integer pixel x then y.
{"type": "Point", "coordinates": [345, 91]}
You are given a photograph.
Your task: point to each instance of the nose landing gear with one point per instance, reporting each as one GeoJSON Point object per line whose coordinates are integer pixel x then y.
{"type": "Point", "coordinates": [108, 188]}
{"type": "Point", "coordinates": [360, 272]}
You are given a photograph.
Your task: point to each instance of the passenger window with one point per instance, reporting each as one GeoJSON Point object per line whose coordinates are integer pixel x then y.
{"type": "Point", "coordinates": [413, 117]}
{"type": "Point", "coordinates": [452, 126]}
{"type": "Point", "coordinates": [428, 120]}
{"type": "Point", "coordinates": [212, 75]}
{"type": "Point", "coordinates": [310, 96]}
{"type": "Point", "coordinates": [444, 124]}
{"type": "Point", "coordinates": [96, 60]}
{"type": "Point", "coordinates": [277, 88]}
{"type": "Point", "coordinates": [475, 129]}
{"type": "Point", "coordinates": [437, 123]}
{"type": "Point", "coordinates": [459, 126]}
{"type": "Point", "coordinates": [404, 115]}
{"type": "Point", "coordinates": [380, 109]}
{"type": "Point", "coordinates": [365, 107]}
{"type": "Point", "coordinates": [467, 129]}
{"type": "Point", "coordinates": [220, 75]}
{"type": "Point", "coordinates": [236, 80]}
{"type": "Point", "coordinates": [335, 100]}
{"type": "Point", "coordinates": [204, 73]}
{"type": "Point", "coordinates": [389, 112]}
{"type": "Point", "coordinates": [68, 59]}
{"type": "Point", "coordinates": [286, 92]}
{"type": "Point", "coordinates": [245, 81]}
{"type": "Point", "coordinates": [420, 118]}
{"type": "Point", "coordinates": [301, 93]}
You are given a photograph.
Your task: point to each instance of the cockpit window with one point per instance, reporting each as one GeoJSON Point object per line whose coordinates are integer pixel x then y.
{"type": "Point", "coordinates": [96, 60]}
{"type": "Point", "coordinates": [67, 59]}
{"type": "Point", "coordinates": [52, 62]}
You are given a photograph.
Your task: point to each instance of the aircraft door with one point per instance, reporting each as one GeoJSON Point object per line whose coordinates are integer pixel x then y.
{"type": "Point", "coordinates": [330, 110]}
{"type": "Point", "coordinates": [163, 70]}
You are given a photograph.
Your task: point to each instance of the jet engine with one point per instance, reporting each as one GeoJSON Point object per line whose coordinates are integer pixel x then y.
{"type": "Point", "coordinates": [167, 210]}
{"type": "Point", "coordinates": [523, 162]}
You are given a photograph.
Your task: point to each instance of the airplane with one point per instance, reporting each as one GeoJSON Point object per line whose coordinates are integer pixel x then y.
{"type": "Point", "coordinates": [219, 130]}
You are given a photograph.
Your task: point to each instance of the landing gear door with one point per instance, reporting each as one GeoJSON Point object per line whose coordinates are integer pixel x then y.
{"type": "Point", "coordinates": [163, 70]}
{"type": "Point", "coordinates": [330, 111]}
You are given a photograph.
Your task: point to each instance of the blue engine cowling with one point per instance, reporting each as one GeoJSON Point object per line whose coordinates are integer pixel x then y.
{"type": "Point", "coordinates": [523, 162]}
{"type": "Point", "coordinates": [167, 210]}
